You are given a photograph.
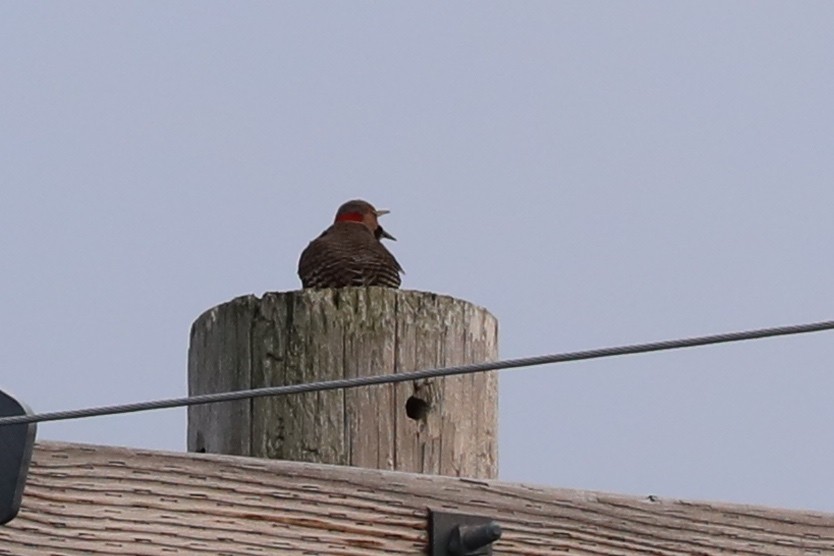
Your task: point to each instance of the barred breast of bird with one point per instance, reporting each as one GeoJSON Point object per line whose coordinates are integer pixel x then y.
{"type": "Point", "coordinates": [347, 254]}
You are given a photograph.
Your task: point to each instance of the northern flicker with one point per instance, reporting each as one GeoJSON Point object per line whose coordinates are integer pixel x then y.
{"type": "Point", "coordinates": [350, 252]}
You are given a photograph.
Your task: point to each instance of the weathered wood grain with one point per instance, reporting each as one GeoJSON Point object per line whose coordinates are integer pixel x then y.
{"type": "Point", "coordinates": [83, 500]}
{"type": "Point", "coordinates": [316, 335]}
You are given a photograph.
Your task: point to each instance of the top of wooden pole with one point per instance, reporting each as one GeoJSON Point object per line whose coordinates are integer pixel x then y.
{"type": "Point", "coordinates": [444, 426]}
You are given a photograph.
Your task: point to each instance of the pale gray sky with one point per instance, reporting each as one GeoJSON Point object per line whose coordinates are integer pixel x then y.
{"type": "Point", "coordinates": [594, 173]}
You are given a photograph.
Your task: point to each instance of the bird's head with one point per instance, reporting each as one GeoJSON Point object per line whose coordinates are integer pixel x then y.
{"type": "Point", "coordinates": [363, 212]}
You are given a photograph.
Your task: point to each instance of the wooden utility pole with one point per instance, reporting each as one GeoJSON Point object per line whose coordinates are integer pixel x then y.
{"type": "Point", "coordinates": [442, 426]}
{"type": "Point", "coordinates": [82, 499]}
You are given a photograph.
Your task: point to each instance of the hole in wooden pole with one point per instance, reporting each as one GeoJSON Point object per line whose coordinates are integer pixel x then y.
{"type": "Point", "coordinates": [416, 408]}
{"type": "Point", "coordinates": [201, 443]}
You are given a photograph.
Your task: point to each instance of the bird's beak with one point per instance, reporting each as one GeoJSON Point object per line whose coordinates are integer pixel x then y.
{"type": "Point", "coordinates": [381, 212]}
{"type": "Point", "coordinates": [384, 234]}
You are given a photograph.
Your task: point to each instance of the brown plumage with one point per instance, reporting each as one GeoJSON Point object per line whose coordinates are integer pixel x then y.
{"type": "Point", "coordinates": [350, 252]}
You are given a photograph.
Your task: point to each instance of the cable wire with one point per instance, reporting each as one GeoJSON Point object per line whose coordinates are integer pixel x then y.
{"type": "Point", "coordinates": [416, 375]}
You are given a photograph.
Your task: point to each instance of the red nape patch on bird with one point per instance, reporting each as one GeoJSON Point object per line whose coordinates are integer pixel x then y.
{"type": "Point", "coordinates": [350, 217]}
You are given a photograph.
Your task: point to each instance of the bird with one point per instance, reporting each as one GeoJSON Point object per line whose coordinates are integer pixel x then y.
{"type": "Point", "coordinates": [350, 252]}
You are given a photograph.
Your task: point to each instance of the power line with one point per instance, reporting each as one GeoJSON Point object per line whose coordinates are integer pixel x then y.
{"type": "Point", "coordinates": [416, 375]}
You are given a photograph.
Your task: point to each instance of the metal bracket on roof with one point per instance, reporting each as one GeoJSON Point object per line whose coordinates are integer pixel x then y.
{"type": "Point", "coordinates": [461, 534]}
{"type": "Point", "coordinates": [16, 443]}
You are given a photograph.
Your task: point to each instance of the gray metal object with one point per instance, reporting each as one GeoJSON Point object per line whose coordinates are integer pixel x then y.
{"type": "Point", "coordinates": [16, 443]}
{"type": "Point", "coordinates": [461, 534]}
